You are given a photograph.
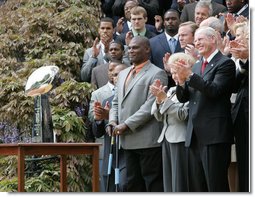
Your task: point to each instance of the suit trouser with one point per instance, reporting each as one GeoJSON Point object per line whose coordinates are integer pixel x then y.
{"type": "Point", "coordinates": [208, 166]}
{"type": "Point", "coordinates": [241, 129]}
{"type": "Point", "coordinates": [174, 167]}
{"type": "Point", "coordinates": [144, 170]}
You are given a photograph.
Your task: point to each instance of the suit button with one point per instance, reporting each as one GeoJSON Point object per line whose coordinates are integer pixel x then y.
{"type": "Point", "coordinates": [195, 103]}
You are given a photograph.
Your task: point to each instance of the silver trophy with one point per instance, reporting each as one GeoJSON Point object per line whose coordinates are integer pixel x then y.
{"type": "Point", "coordinates": [38, 85]}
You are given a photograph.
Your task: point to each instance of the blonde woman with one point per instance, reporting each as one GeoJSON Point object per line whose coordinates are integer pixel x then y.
{"type": "Point", "coordinates": [174, 114]}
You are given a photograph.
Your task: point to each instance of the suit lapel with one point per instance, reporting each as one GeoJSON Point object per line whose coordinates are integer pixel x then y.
{"type": "Point", "coordinates": [164, 42]}
{"type": "Point", "coordinates": [123, 80]}
{"type": "Point", "coordinates": [136, 79]}
{"type": "Point", "coordinates": [212, 63]}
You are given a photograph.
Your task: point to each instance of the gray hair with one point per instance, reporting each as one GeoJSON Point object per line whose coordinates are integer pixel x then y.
{"type": "Point", "coordinates": [205, 4]}
{"type": "Point", "coordinates": [214, 23]}
{"type": "Point", "coordinates": [208, 31]}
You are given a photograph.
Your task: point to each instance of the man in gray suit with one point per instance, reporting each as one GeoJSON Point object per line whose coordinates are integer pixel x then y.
{"type": "Point", "coordinates": [188, 12]}
{"type": "Point", "coordinates": [131, 118]}
{"type": "Point", "coordinates": [99, 75]}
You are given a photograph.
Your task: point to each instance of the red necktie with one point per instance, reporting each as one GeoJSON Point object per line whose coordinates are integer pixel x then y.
{"type": "Point", "coordinates": [203, 66]}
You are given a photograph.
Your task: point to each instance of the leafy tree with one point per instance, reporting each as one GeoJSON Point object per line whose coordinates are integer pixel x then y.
{"type": "Point", "coordinates": [34, 33]}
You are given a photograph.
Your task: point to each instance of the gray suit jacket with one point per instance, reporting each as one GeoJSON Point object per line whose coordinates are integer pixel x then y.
{"type": "Point", "coordinates": [99, 75]}
{"type": "Point", "coordinates": [174, 116]}
{"type": "Point", "coordinates": [188, 12]}
{"type": "Point", "coordinates": [99, 95]}
{"type": "Point", "coordinates": [134, 108]}
{"type": "Point", "coordinates": [89, 63]}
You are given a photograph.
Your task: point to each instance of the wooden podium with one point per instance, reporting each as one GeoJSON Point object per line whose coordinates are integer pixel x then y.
{"type": "Point", "coordinates": [62, 149]}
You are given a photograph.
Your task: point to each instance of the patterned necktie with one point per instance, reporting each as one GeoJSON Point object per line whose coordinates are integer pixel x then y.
{"type": "Point", "coordinates": [203, 66]}
{"type": "Point", "coordinates": [172, 44]}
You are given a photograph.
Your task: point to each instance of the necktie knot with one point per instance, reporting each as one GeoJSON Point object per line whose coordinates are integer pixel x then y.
{"type": "Point", "coordinates": [203, 66]}
{"type": "Point", "coordinates": [172, 44]}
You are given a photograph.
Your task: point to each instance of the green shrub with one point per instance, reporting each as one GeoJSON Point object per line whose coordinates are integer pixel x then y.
{"type": "Point", "coordinates": [34, 33]}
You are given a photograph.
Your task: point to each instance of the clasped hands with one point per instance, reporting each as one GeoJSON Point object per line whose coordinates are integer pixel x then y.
{"type": "Point", "coordinates": [114, 129]}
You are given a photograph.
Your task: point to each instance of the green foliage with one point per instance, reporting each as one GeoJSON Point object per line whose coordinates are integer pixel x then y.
{"type": "Point", "coordinates": [34, 33]}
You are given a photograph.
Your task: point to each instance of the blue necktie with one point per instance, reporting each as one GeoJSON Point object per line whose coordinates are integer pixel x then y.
{"type": "Point", "coordinates": [172, 44]}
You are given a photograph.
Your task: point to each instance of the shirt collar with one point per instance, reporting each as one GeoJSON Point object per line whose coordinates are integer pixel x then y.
{"type": "Point", "coordinates": [142, 33]}
{"type": "Point", "coordinates": [242, 9]}
{"type": "Point", "coordinates": [111, 86]}
{"type": "Point", "coordinates": [211, 56]}
{"type": "Point", "coordinates": [129, 25]}
{"type": "Point", "coordinates": [139, 67]}
{"type": "Point", "coordinates": [168, 36]}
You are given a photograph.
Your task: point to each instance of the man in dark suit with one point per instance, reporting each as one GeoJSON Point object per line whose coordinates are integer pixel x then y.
{"type": "Point", "coordinates": [138, 20]}
{"type": "Point", "coordinates": [131, 118]}
{"type": "Point", "coordinates": [238, 7]}
{"type": "Point", "coordinates": [124, 24]}
{"type": "Point", "coordinates": [207, 86]}
{"type": "Point", "coordinates": [160, 44]}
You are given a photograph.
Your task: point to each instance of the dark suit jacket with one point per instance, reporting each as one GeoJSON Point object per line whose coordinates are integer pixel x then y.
{"type": "Point", "coordinates": [159, 47]}
{"type": "Point", "coordinates": [188, 12]}
{"type": "Point", "coordinates": [121, 37]}
{"type": "Point", "coordinates": [241, 104]}
{"type": "Point", "coordinates": [209, 101]}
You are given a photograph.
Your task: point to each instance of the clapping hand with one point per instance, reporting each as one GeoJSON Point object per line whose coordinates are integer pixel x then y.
{"type": "Point", "coordinates": [158, 90]}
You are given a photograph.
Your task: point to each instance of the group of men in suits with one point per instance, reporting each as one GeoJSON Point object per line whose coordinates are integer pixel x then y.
{"type": "Point", "coordinates": [209, 132]}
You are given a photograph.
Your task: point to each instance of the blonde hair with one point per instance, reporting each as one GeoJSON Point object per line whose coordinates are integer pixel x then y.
{"type": "Point", "coordinates": [138, 10]}
{"type": "Point", "coordinates": [181, 56]}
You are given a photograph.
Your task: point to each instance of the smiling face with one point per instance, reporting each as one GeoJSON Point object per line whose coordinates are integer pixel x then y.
{"type": "Point", "coordinates": [201, 13]}
{"type": "Point", "coordinates": [128, 6]}
{"type": "Point", "coordinates": [205, 41]}
{"type": "Point", "coordinates": [138, 50]}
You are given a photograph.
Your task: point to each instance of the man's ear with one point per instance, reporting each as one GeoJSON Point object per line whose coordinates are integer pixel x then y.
{"type": "Point", "coordinates": [146, 19]}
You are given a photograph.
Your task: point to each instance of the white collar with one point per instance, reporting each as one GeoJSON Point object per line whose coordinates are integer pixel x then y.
{"type": "Point", "coordinates": [168, 36]}
{"type": "Point", "coordinates": [211, 56]}
{"type": "Point", "coordinates": [111, 86]}
{"type": "Point", "coordinates": [242, 9]}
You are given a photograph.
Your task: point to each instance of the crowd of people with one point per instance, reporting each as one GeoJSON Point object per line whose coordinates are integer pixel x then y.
{"type": "Point", "coordinates": [172, 83]}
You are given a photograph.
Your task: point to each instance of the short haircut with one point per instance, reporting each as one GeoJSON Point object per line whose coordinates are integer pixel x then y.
{"type": "Point", "coordinates": [172, 10]}
{"type": "Point", "coordinates": [205, 4]}
{"type": "Point", "coordinates": [119, 43]}
{"type": "Point", "coordinates": [216, 24]}
{"type": "Point", "coordinates": [138, 10]}
{"type": "Point", "coordinates": [107, 19]}
{"type": "Point", "coordinates": [208, 31]}
{"type": "Point", "coordinates": [193, 26]}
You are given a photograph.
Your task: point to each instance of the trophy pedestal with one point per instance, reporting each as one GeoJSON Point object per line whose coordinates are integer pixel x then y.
{"type": "Point", "coordinates": [43, 127]}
